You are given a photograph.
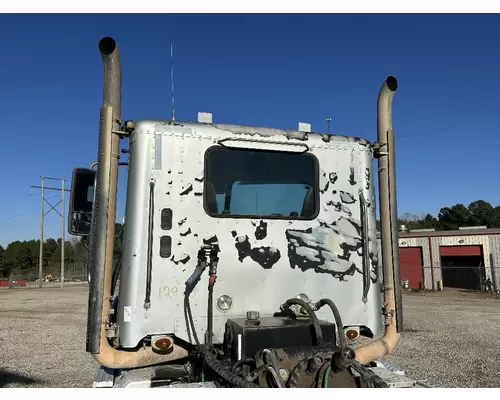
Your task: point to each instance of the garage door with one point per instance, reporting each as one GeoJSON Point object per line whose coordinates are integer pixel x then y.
{"type": "Point", "coordinates": [411, 266]}
{"type": "Point", "coordinates": [460, 250]}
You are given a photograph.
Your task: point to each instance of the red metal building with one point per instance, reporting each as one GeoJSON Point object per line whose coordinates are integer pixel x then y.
{"type": "Point", "coordinates": [463, 258]}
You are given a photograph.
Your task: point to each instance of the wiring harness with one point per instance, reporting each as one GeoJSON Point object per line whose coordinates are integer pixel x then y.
{"type": "Point", "coordinates": [324, 361]}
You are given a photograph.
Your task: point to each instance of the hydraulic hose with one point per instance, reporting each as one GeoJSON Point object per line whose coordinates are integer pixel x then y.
{"type": "Point", "coordinates": [275, 367]}
{"type": "Point", "coordinates": [189, 319]}
{"type": "Point", "coordinates": [212, 278]}
{"type": "Point", "coordinates": [191, 283]}
{"type": "Point", "coordinates": [326, 377]}
{"type": "Point", "coordinates": [116, 274]}
{"type": "Point", "coordinates": [210, 315]}
{"type": "Point", "coordinates": [224, 371]}
{"type": "Point", "coordinates": [341, 360]}
{"type": "Point", "coordinates": [252, 376]}
{"type": "Point", "coordinates": [371, 379]}
{"type": "Point", "coordinates": [337, 317]}
{"type": "Point", "coordinates": [239, 363]}
{"type": "Point", "coordinates": [276, 376]}
{"type": "Point", "coordinates": [312, 316]}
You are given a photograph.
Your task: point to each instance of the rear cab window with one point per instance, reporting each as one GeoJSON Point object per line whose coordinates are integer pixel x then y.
{"type": "Point", "coordinates": [249, 183]}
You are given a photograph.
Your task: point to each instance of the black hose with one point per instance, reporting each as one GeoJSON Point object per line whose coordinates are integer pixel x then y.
{"type": "Point", "coordinates": [275, 366]}
{"type": "Point", "coordinates": [212, 273]}
{"type": "Point", "coordinates": [239, 363]}
{"type": "Point", "coordinates": [116, 273]}
{"type": "Point", "coordinates": [338, 319]}
{"type": "Point", "coordinates": [186, 321]}
{"type": "Point", "coordinates": [312, 316]}
{"type": "Point", "coordinates": [343, 359]}
{"type": "Point", "coordinates": [224, 371]}
{"type": "Point", "coordinates": [187, 307]}
{"type": "Point", "coordinates": [190, 285]}
{"type": "Point", "coordinates": [372, 380]}
{"type": "Point", "coordinates": [276, 376]}
{"type": "Point", "coordinates": [210, 315]}
{"type": "Point", "coordinates": [117, 254]}
{"type": "Point", "coordinates": [253, 375]}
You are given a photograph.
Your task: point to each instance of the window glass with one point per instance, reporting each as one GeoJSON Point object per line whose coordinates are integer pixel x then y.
{"type": "Point", "coordinates": [257, 183]}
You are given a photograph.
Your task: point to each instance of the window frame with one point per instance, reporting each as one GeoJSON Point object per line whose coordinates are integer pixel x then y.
{"type": "Point", "coordinates": [253, 217]}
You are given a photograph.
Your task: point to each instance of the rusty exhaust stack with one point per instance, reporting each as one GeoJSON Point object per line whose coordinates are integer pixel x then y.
{"type": "Point", "coordinates": [103, 229]}
{"type": "Point", "coordinates": [392, 308]}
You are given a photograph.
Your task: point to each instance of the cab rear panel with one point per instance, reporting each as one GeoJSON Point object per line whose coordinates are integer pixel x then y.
{"type": "Point", "coordinates": [289, 211]}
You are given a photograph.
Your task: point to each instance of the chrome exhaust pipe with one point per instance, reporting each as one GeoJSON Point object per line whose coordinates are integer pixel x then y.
{"type": "Point", "coordinates": [392, 308]}
{"type": "Point", "coordinates": [388, 195]}
{"type": "Point", "coordinates": [103, 229]}
{"type": "Point", "coordinates": [103, 226]}
{"type": "Point", "coordinates": [112, 96]}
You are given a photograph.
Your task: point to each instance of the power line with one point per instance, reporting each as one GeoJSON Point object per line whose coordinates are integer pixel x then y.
{"type": "Point", "coordinates": [28, 211]}
{"type": "Point", "coordinates": [452, 112]}
{"type": "Point", "coordinates": [428, 132]}
{"type": "Point", "coordinates": [49, 188]}
{"type": "Point", "coordinates": [23, 198]}
{"type": "Point", "coordinates": [15, 201]}
{"type": "Point", "coordinates": [18, 208]}
{"type": "Point", "coordinates": [438, 130]}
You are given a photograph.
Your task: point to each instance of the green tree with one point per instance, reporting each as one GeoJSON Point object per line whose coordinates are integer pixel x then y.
{"type": "Point", "coordinates": [481, 213]}
{"type": "Point", "coordinates": [80, 250]}
{"type": "Point", "coordinates": [496, 222]}
{"type": "Point", "coordinates": [69, 253]}
{"type": "Point", "coordinates": [409, 220]}
{"type": "Point", "coordinates": [429, 222]}
{"type": "Point", "coordinates": [454, 217]}
{"type": "Point", "coordinates": [22, 257]}
{"type": "Point", "coordinates": [50, 246]}
{"type": "Point", "coordinates": [5, 268]}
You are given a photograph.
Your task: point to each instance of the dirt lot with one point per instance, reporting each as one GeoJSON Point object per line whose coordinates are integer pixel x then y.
{"type": "Point", "coordinates": [42, 338]}
{"type": "Point", "coordinates": [451, 339]}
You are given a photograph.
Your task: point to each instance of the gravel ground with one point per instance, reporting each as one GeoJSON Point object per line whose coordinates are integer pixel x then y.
{"type": "Point", "coordinates": [451, 339]}
{"type": "Point", "coordinates": [42, 338]}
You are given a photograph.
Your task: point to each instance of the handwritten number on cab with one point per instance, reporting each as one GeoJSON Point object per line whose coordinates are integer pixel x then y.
{"type": "Point", "coordinates": [166, 291]}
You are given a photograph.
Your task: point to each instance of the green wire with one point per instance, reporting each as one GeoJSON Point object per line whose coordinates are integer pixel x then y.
{"type": "Point", "coordinates": [326, 376]}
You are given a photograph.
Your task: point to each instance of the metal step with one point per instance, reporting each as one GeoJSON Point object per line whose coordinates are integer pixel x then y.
{"type": "Point", "coordinates": [394, 379]}
{"type": "Point", "coordinates": [105, 378]}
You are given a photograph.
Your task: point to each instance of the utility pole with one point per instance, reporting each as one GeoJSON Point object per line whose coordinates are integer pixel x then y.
{"type": "Point", "coordinates": [40, 263]}
{"type": "Point", "coordinates": [63, 235]}
{"type": "Point", "coordinates": [42, 216]}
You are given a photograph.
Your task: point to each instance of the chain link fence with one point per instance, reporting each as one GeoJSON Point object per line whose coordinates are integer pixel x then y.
{"type": "Point", "coordinates": [74, 273]}
{"type": "Point", "coordinates": [471, 277]}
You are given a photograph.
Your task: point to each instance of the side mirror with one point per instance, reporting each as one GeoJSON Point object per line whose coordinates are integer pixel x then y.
{"type": "Point", "coordinates": [81, 203]}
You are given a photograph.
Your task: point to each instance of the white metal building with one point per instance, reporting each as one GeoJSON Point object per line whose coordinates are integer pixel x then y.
{"type": "Point", "coordinates": [463, 258]}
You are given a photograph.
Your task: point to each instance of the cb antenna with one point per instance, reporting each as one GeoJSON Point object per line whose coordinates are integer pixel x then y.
{"type": "Point", "coordinates": [172, 74]}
